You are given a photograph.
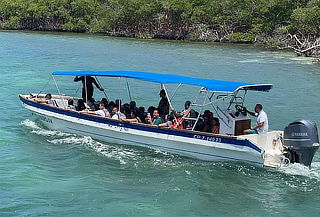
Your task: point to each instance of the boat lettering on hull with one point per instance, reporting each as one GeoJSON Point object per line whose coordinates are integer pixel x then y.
{"type": "Point", "coordinates": [45, 119]}
{"type": "Point", "coordinates": [207, 138]}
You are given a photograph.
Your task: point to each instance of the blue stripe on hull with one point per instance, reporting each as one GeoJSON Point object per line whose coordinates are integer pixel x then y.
{"type": "Point", "coordinates": [196, 135]}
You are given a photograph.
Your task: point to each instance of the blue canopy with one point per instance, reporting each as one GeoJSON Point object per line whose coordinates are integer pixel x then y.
{"type": "Point", "coordinates": [211, 85]}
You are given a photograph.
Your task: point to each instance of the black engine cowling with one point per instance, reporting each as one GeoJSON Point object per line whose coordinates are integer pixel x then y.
{"type": "Point", "coordinates": [301, 141]}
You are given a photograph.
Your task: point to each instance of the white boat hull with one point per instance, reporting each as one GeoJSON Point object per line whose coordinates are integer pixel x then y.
{"type": "Point", "coordinates": [192, 144]}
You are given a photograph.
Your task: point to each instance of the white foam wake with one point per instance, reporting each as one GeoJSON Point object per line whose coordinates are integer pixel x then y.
{"type": "Point", "coordinates": [40, 131]}
{"type": "Point", "coordinates": [116, 152]}
{"type": "Point", "coordinates": [301, 170]}
{"type": "Point", "coordinates": [56, 137]}
{"type": "Point", "coordinates": [112, 152]}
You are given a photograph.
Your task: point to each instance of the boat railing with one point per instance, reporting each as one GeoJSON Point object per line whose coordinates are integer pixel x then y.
{"type": "Point", "coordinates": [192, 119]}
{"type": "Point", "coordinates": [221, 118]}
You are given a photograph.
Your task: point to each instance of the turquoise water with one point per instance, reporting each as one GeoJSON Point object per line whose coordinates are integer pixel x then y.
{"type": "Point", "coordinates": [51, 173]}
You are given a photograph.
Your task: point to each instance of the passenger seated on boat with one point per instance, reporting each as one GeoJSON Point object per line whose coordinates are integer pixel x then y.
{"type": "Point", "coordinates": [103, 112]}
{"type": "Point", "coordinates": [133, 105]}
{"type": "Point", "coordinates": [134, 118]}
{"type": "Point", "coordinates": [187, 124]}
{"type": "Point", "coordinates": [191, 113]}
{"type": "Point", "coordinates": [127, 110]}
{"type": "Point", "coordinates": [207, 121]}
{"type": "Point", "coordinates": [168, 122]}
{"type": "Point", "coordinates": [70, 105]}
{"type": "Point", "coordinates": [216, 125]}
{"type": "Point", "coordinates": [118, 103]}
{"type": "Point", "coordinates": [80, 105]}
{"type": "Point", "coordinates": [90, 105]}
{"type": "Point", "coordinates": [199, 124]}
{"type": "Point", "coordinates": [156, 120]}
{"type": "Point", "coordinates": [47, 100]}
{"type": "Point", "coordinates": [142, 114]}
{"type": "Point", "coordinates": [105, 102]}
{"type": "Point", "coordinates": [116, 114]}
{"type": "Point", "coordinates": [151, 110]}
{"type": "Point", "coordinates": [163, 106]}
{"type": "Point", "coordinates": [111, 105]}
{"type": "Point", "coordinates": [177, 124]}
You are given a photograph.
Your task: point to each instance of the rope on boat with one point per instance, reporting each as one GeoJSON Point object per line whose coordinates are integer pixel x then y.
{"type": "Point", "coordinates": [128, 90]}
{"type": "Point", "coordinates": [43, 87]}
{"type": "Point", "coordinates": [101, 87]}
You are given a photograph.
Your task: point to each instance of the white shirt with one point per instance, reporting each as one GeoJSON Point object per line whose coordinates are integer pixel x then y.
{"type": "Point", "coordinates": [103, 113]}
{"type": "Point", "coordinates": [263, 118]}
{"type": "Point", "coordinates": [118, 115]}
{"type": "Point", "coordinates": [51, 102]}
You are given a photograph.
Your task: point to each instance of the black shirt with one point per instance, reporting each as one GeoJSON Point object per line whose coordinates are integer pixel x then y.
{"type": "Point", "coordinates": [89, 81]}
{"type": "Point", "coordinates": [163, 106]}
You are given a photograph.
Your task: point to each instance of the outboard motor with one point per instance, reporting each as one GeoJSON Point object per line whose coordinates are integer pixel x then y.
{"type": "Point", "coordinates": [301, 141]}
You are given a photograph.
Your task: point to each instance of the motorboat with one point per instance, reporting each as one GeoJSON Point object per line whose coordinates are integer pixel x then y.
{"type": "Point", "coordinates": [297, 143]}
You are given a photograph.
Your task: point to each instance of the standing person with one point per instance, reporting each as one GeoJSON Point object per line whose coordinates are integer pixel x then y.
{"type": "Point", "coordinates": [262, 121]}
{"type": "Point", "coordinates": [163, 106]}
{"type": "Point", "coordinates": [87, 83]}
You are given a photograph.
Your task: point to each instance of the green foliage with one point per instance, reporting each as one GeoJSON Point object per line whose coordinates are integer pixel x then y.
{"type": "Point", "coordinates": [241, 20]}
{"type": "Point", "coordinates": [307, 19]}
{"type": "Point", "coordinates": [12, 23]}
{"type": "Point", "coordinates": [272, 43]}
{"type": "Point", "coordinates": [239, 37]}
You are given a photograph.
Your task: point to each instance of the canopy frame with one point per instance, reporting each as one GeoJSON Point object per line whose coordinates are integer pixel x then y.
{"type": "Point", "coordinates": [207, 87]}
{"type": "Point", "coordinates": [208, 84]}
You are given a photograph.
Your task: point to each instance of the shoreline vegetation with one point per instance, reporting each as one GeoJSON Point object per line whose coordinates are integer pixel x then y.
{"type": "Point", "coordinates": [274, 24]}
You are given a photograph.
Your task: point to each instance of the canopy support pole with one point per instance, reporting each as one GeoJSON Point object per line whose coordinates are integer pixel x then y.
{"type": "Point", "coordinates": [55, 82]}
{"type": "Point", "coordinates": [128, 89]}
{"type": "Point", "coordinates": [169, 101]}
{"type": "Point", "coordinates": [165, 90]}
{"type": "Point", "coordinates": [102, 87]}
{"type": "Point", "coordinates": [200, 110]}
{"type": "Point", "coordinates": [85, 88]}
{"type": "Point", "coordinates": [119, 99]}
{"type": "Point", "coordinates": [44, 87]}
{"type": "Point", "coordinates": [174, 92]}
{"type": "Point", "coordinates": [189, 109]}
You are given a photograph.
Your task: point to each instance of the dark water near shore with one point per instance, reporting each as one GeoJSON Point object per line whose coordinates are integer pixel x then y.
{"type": "Point", "coordinates": [51, 173]}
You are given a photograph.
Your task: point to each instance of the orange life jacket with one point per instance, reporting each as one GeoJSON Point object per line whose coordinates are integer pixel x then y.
{"type": "Point", "coordinates": [175, 122]}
